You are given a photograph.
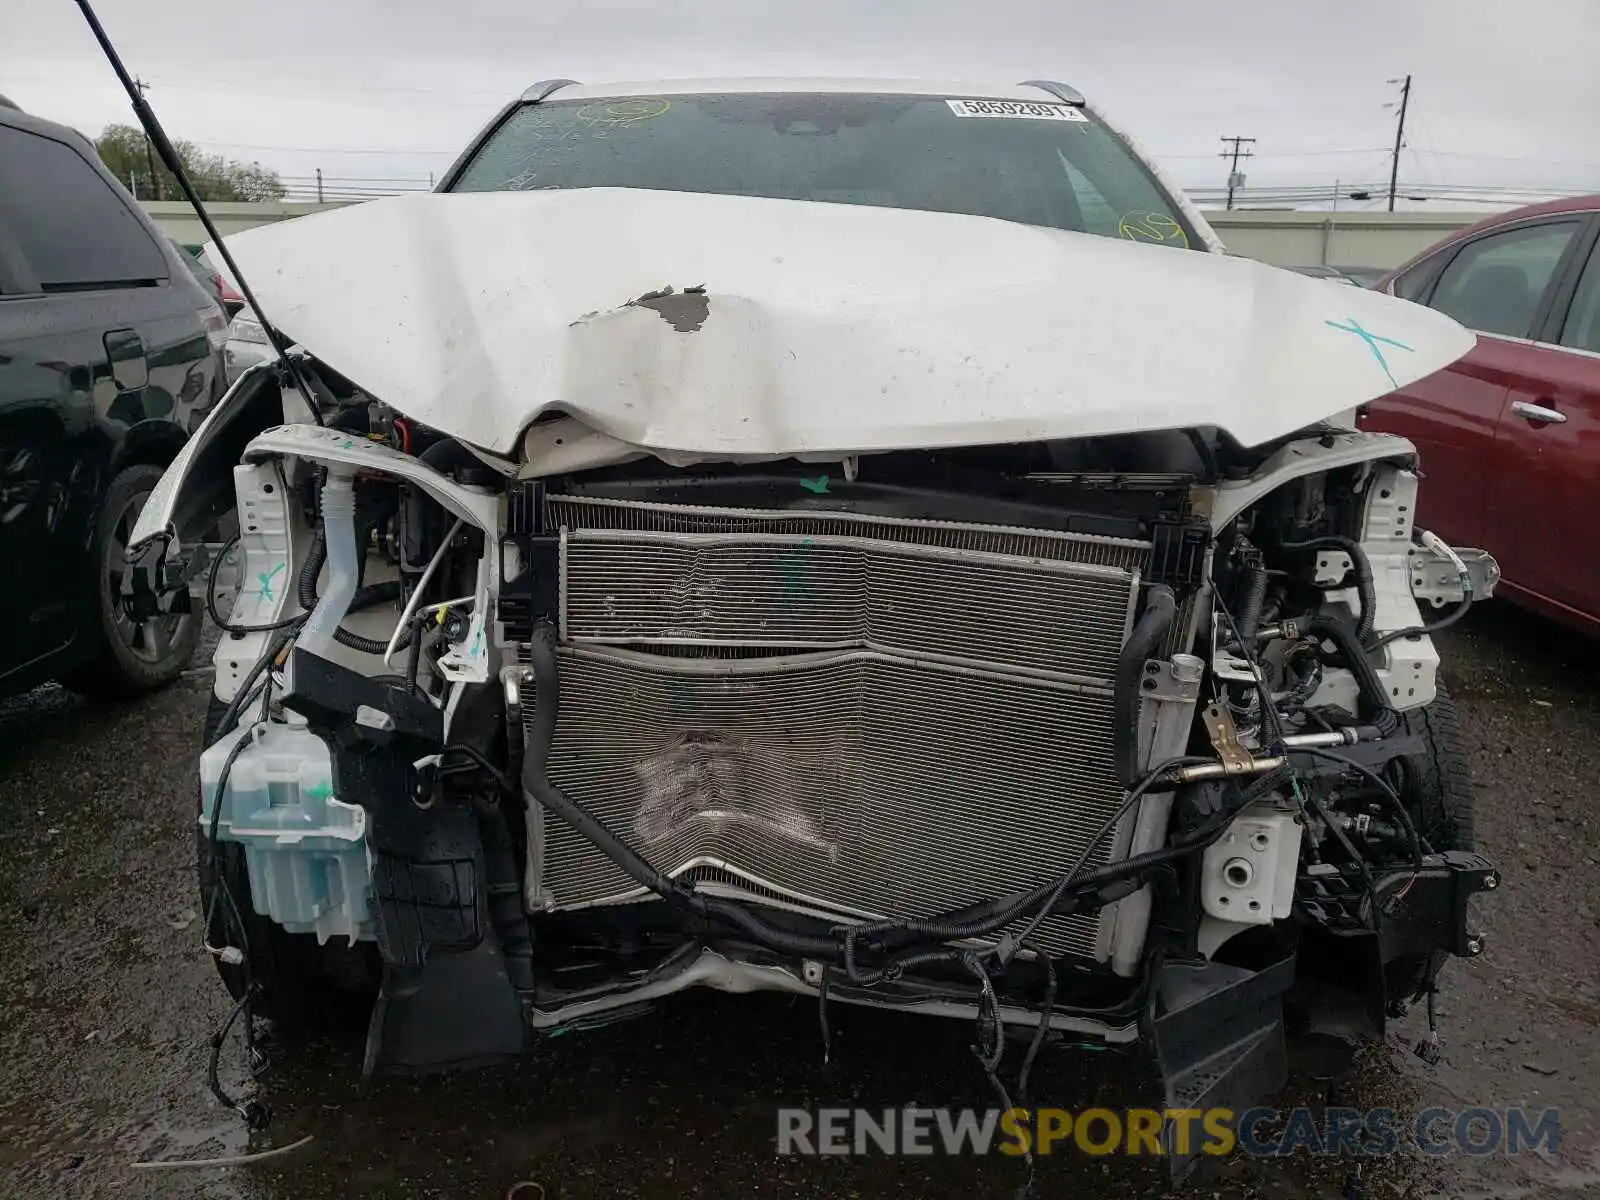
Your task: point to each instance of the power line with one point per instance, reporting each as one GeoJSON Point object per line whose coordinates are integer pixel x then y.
{"type": "Point", "coordinates": [1283, 153]}
{"type": "Point", "coordinates": [188, 81]}
{"type": "Point", "coordinates": [1399, 137]}
{"type": "Point", "coordinates": [399, 151]}
{"type": "Point", "coordinates": [1592, 164]}
{"type": "Point", "coordinates": [1234, 178]}
{"type": "Point", "coordinates": [149, 151]}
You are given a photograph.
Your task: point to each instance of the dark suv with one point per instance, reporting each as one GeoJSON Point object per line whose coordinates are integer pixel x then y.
{"type": "Point", "coordinates": [107, 363]}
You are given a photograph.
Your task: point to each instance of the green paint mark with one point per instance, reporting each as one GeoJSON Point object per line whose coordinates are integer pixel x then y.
{"type": "Point", "coordinates": [679, 697]}
{"type": "Point", "coordinates": [347, 444]}
{"type": "Point", "coordinates": [817, 486]}
{"type": "Point", "coordinates": [265, 578]}
{"type": "Point", "coordinates": [1374, 342]}
{"type": "Point", "coordinates": [792, 566]}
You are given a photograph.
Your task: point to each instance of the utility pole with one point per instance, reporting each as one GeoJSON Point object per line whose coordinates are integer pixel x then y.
{"type": "Point", "coordinates": [149, 152]}
{"type": "Point", "coordinates": [319, 185]}
{"type": "Point", "coordinates": [1234, 178]}
{"type": "Point", "coordinates": [1399, 137]}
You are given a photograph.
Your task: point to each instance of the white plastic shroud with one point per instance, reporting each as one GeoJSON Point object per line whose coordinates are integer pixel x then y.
{"type": "Point", "coordinates": [1247, 875]}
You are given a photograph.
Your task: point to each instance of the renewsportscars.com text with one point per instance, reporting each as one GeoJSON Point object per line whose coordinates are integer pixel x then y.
{"type": "Point", "coordinates": [1261, 1132]}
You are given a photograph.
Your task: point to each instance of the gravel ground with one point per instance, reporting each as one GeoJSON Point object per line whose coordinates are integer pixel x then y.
{"type": "Point", "coordinates": [107, 1006]}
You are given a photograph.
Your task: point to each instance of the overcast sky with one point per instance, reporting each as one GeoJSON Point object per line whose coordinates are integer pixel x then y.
{"type": "Point", "coordinates": [1506, 91]}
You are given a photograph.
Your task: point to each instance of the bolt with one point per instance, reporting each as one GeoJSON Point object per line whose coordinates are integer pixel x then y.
{"type": "Point", "coordinates": [1490, 882]}
{"type": "Point", "coordinates": [1474, 946]}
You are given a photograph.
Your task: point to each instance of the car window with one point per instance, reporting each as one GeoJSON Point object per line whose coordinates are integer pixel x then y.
{"type": "Point", "coordinates": [73, 229]}
{"type": "Point", "coordinates": [1582, 328]}
{"type": "Point", "coordinates": [1037, 163]}
{"type": "Point", "coordinates": [193, 261]}
{"type": "Point", "coordinates": [1495, 284]}
{"type": "Point", "coordinates": [1413, 285]}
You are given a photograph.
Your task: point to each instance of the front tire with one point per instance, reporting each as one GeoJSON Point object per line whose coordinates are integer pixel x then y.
{"type": "Point", "coordinates": [1444, 802]}
{"type": "Point", "coordinates": [129, 657]}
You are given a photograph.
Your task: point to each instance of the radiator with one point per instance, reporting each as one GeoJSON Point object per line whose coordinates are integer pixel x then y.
{"type": "Point", "coordinates": [852, 717]}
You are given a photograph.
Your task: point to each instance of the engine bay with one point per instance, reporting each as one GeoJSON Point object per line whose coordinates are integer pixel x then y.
{"type": "Point", "coordinates": [1060, 736]}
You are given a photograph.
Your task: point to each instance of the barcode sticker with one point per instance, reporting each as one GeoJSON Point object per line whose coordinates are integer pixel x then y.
{"type": "Point", "coordinates": [1027, 110]}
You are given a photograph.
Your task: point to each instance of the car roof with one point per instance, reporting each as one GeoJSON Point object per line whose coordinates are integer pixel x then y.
{"type": "Point", "coordinates": [19, 118]}
{"type": "Point", "coordinates": [1567, 204]}
{"type": "Point", "coordinates": [169, 248]}
{"type": "Point", "coordinates": [845, 86]}
{"type": "Point", "coordinates": [1546, 208]}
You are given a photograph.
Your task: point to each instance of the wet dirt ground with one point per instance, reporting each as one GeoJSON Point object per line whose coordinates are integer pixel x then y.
{"type": "Point", "coordinates": [108, 1004]}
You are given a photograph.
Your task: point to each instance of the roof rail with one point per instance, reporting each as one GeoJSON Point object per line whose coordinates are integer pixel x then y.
{"type": "Point", "coordinates": [1068, 95]}
{"type": "Point", "coordinates": [543, 88]}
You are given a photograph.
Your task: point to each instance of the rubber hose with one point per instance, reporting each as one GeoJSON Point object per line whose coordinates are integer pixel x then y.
{"type": "Point", "coordinates": [1196, 839]}
{"type": "Point", "coordinates": [1255, 596]}
{"type": "Point", "coordinates": [413, 664]}
{"type": "Point", "coordinates": [990, 916]}
{"type": "Point", "coordinates": [1361, 566]}
{"type": "Point", "coordinates": [1123, 869]}
{"type": "Point", "coordinates": [1380, 712]}
{"type": "Point", "coordinates": [1004, 911]}
{"type": "Point", "coordinates": [1442, 623]}
{"type": "Point", "coordinates": [363, 645]}
{"type": "Point", "coordinates": [448, 453]}
{"type": "Point", "coordinates": [365, 597]}
{"type": "Point", "coordinates": [241, 694]}
{"type": "Point", "coordinates": [1142, 644]}
{"type": "Point", "coordinates": [306, 584]}
{"type": "Point", "coordinates": [338, 504]}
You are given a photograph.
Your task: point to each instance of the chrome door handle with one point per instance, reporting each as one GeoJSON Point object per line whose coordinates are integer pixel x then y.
{"type": "Point", "coordinates": [1538, 412]}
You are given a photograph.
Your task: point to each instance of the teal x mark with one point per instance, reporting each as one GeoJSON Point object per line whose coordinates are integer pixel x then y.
{"type": "Point", "coordinates": [1375, 343]}
{"type": "Point", "coordinates": [265, 579]}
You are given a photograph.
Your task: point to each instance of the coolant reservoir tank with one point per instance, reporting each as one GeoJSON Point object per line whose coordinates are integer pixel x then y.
{"type": "Point", "coordinates": [304, 849]}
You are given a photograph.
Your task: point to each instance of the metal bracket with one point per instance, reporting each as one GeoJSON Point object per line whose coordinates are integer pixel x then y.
{"type": "Point", "coordinates": [153, 586]}
{"type": "Point", "coordinates": [1224, 735]}
{"type": "Point", "coordinates": [1169, 691]}
{"type": "Point", "coordinates": [1427, 910]}
{"type": "Point", "coordinates": [1436, 581]}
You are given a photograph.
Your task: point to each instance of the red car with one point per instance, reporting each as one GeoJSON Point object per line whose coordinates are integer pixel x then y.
{"type": "Point", "coordinates": [1510, 434]}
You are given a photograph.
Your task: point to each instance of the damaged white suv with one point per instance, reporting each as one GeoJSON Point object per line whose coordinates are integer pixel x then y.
{"type": "Point", "coordinates": [855, 539]}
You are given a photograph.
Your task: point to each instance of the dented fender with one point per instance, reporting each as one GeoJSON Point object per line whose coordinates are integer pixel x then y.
{"type": "Point", "coordinates": [197, 488]}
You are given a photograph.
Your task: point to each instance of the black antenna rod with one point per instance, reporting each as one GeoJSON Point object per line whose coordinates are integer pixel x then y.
{"type": "Point", "coordinates": [169, 159]}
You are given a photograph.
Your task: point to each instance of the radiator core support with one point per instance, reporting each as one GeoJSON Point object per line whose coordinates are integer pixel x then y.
{"type": "Point", "coordinates": [855, 717]}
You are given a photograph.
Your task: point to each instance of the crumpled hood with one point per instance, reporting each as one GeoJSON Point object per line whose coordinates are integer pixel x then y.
{"type": "Point", "coordinates": [823, 329]}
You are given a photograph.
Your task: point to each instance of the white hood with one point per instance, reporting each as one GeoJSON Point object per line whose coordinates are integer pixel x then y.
{"type": "Point", "coordinates": [824, 330]}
